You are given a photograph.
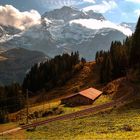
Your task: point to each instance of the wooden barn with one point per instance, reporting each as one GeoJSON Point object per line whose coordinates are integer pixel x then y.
{"type": "Point", "coordinates": [85, 97]}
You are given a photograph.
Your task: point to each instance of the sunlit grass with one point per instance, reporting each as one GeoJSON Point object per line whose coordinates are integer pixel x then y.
{"type": "Point", "coordinates": [104, 125]}
{"type": "Point", "coordinates": [109, 124]}
{"type": "Point", "coordinates": [100, 126]}
{"type": "Point", "coordinates": [57, 104]}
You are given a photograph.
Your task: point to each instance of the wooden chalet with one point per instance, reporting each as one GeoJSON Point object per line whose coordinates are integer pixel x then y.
{"type": "Point", "coordinates": [85, 97]}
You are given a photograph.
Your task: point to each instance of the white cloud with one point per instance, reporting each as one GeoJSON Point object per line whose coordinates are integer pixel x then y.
{"type": "Point", "coordinates": [11, 16]}
{"type": "Point", "coordinates": [134, 1]}
{"type": "Point", "coordinates": [103, 7]}
{"type": "Point", "coordinates": [90, 1]}
{"type": "Point", "coordinates": [98, 24]}
{"type": "Point", "coordinates": [137, 12]}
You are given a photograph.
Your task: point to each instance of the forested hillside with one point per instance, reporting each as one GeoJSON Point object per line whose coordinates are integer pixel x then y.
{"type": "Point", "coordinates": [121, 59]}
{"type": "Point", "coordinates": [44, 76]}
{"type": "Point", "coordinates": [12, 99]}
{"type": "Point", "coordinates": [54, 72]}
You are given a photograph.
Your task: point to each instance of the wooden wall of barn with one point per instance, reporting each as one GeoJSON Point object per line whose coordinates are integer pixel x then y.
{"type": "Point", "coordinates": [76, 101]}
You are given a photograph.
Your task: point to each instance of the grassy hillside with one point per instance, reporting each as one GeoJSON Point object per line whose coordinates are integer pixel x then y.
{"type": "Point", "coordinates": [121, 122]}
{"type": "Point", "coordinates": [87, 77]}
{"type": "Point", "coordinates": [51, 109]}
{"type": "Point", "coordinates": [117, 123]}
{"type": "Point", "coordinates": [106, 125]}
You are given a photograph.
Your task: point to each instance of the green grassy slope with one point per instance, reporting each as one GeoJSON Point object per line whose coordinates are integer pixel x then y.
{"type": "Point", "coordinates": [123, 123]}
{"type": "Point", "coordinates": [118, 123]}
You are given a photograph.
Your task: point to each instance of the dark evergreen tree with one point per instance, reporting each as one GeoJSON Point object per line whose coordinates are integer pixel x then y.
{"type": "Point", "coordinates": [135, 50]}
{"type": "Point", "coordinates": [115, 62]}
{"type": "Point", "coordinates": [12, 99]}
{"type": "Point", "coordinates": [109, 68]}
{"type": "Point", "coordinates": [3, 116]}
{"type": "Point", "coordinates": [83, 60]}
{"type": "Point", "coordinates": [97, 57]}
{"type": "Point", "coordinates": [52, 73]}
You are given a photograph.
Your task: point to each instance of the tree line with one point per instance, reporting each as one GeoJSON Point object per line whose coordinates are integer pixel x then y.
{"type": "Point", "coordinates": [121, 58]}
{"type": "Point", "coordinates": [52, 73]}
{"type": "Point", "coordinates": [115, 62]}
{"type": "Point", "coordinates": [12, 99]}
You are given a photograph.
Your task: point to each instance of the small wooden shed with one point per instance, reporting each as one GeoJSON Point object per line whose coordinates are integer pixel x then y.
{"type": "Point", "coordinates": [85, 97]}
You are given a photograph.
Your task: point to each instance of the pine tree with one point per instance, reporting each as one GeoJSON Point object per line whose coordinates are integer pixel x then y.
{"type": "Point", "coordinates": [109, 67]}
{"type": "Point", "coordinates": [97, 57]}
{"type": "Point", "coordinates": [3, 116]}
{"type": "Point", "coordinates": [52, 73]}
{"type": "Point", "coordinates": [135, 50]}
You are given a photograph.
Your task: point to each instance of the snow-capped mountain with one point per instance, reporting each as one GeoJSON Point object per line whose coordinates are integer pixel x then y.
{"type": "Point", "coordinates": [78, 30]}
{"type": "Point", "coordinates": [15, 61]}
{"type": "Point", "coordinates": [6, 34]}
{"type": "Point", "coordinates": [35, 38]}
{"type": "Point", "coordinates": [9, 30]}
{"type": "Point", "coordinates": [61, 30]}
{"type": "Point", "coordinates": [69, 13]}
{"type": "Point", "coordinates": [129, 25]}
{"type": "Point", "coordinates": [69, 29]}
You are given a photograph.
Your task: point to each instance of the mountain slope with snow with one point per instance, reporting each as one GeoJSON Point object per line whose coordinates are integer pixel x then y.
{"type": "Point", "coordinates": [60, 31]}
{"type": "Point", "coordinates": [69, 13]}
{"type": "Point", "coordinates": [69, 29]}
{"type": "Point", "coordinates": [100, 24]}
{"type": "Point", "coordinates": [131, 26]}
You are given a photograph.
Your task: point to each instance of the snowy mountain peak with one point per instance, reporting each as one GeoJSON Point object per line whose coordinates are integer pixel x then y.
{"type": "Point", "coordinates": [69, 13]}
{"type": "Point", "coordinates": [68, 8]}
{"type": "Point", "coordinates": [99, 24]}
{"type": "Point", "coordinates": [94, 15]}
{"type": "Point", "coordinates": [68, 29]}
{"type": "Point", "coordinates": [129, 25]}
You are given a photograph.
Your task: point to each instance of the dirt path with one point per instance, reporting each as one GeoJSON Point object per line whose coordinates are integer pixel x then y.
{"type": "Point", "coordinates": [10, 131]}
{"type": "Point", "coordinates": [71, 115]}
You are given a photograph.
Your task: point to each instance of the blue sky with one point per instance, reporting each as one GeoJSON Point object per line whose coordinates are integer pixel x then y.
{"type": "Point", "coordinates": [114, 10]}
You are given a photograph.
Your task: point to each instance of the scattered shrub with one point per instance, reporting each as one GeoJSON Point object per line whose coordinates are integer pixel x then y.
{"type": "Point", "coordinates": [127, 128]}
{"type": "Point", "coordinates": [53, 111]}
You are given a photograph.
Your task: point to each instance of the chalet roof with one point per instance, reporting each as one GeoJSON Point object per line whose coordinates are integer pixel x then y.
{"type": "Point", "coordinates": [90, 93]}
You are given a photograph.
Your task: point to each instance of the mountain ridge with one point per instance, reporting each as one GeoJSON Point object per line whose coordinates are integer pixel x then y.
{"type": "Point", "coordinates": [60, 33]}
{"type": "Point", "coordinates": [16, 63]}
{"type": "Point", "coordinates": [68, 13]}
